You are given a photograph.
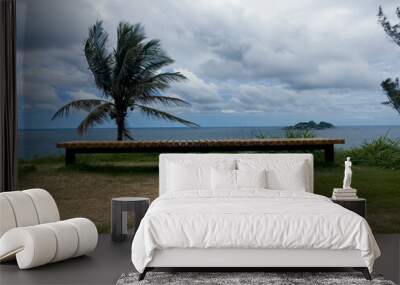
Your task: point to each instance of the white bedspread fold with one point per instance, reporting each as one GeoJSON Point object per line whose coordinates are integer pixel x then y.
{"type": "Point", "coordinates": [250, 219]}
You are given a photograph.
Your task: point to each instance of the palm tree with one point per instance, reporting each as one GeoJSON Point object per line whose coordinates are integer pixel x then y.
{"type": "Point", "coordinates": [129, 78]}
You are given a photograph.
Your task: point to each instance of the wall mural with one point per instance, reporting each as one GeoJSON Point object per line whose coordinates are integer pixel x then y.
{"type": "Point", "coordinates": [91, 70]}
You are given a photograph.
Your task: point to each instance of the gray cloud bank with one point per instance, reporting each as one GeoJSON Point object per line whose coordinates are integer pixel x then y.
{"type": "Point", "coordinates": [277, 61]}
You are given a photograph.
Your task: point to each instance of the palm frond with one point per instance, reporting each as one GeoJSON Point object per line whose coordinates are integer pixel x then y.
{"type": "Point", "coordinates": [125, 132]}
{"type": "Point", "coordinates": [158, 114]}
{"type": "Point", "coordinates": [129, 44]}
{"type": "Point", "coordinates": [152, 65]}
{"type": "Point", "coordinates": [148, 60]}
{"type": "Point", "coordinates": [129, 35]}
{"type": "Point", "coordinates": [129, 65]}
{"type": "Point", "coordinates": [162, 80]}
{"type": "Point", "coordinates": [165, 100]}
{"type": "Point", "coordinates": [98, 115]}
{"type": "Point", "coordinates": [99, 61]}
{"type": "Point", "coordinates": [151, 87]}
{"type": "Point", "coordinates": [83, 104]}
{"type": "Point", "coordinates": [135, 58]}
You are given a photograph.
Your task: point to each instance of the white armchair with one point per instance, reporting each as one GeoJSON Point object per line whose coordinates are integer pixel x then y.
{"type": "Point", "coordinates": [31, 230]}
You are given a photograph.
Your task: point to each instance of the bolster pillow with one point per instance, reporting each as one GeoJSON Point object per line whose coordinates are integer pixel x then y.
{"type": "Point", "coordinates": [40, 244]}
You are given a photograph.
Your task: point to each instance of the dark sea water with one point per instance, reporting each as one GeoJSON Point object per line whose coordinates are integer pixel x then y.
{"type": "Point", "coordinates": [39, 143]}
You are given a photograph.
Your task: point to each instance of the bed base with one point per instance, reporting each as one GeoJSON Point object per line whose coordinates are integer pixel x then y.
{"type": "Point", "coordinates": [363, 270]}
{"type": "Point", "coordinates": [250, 259]}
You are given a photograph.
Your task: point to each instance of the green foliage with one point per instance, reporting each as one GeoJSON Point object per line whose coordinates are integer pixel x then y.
{"type": "Point", "coordinates": [382, 152]}
{"type": "Point", "coordinates": [130, 78]}
{"type": "Point", "coordinates": [289, 134]}
{"type": "Point", "coordinates": [262, 135]}
{"type": "Point", "coordinates": [294, 133]}
{"type": "Point", "coordinates": [391, 30]}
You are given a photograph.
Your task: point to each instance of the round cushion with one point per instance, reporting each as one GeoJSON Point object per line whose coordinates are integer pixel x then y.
{"type": "Point", "coordinates": [46, 207]}
{"type": "Point", "coordinates": [87, 234]}
{"type": "Point", "coordinates": [23, 208]}
{"type": "Point", "coordinates": [67, 240]}
{"type": "Point", "coordinates": [33, 246]}
{"type": "Point", "coordinates": [7, 220]}
{"type": "Point", "coordinates": [40, 244]}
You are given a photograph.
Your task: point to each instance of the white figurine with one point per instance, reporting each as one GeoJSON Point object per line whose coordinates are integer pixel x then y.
{"type": "Point", "coordinates": [347, 174]}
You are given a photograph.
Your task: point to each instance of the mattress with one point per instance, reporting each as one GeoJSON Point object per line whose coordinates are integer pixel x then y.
{"type": "Point", "coordinates": [250, 219]}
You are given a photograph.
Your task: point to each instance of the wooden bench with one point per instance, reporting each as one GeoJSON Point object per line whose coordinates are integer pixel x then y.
{"type": "Point", "coordinates": [182, 146]}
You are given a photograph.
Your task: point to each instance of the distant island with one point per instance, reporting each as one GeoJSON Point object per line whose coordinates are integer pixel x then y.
{"type": "Point", "coordinates": [311, 125]}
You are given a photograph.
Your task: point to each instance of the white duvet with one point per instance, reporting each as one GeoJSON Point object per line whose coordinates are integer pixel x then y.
{"type": "Point", "coordinates": [250, 219]}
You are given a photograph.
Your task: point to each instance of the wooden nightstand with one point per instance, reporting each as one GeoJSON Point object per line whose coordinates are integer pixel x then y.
{"type": "Point", "coordinates": [358, 206]}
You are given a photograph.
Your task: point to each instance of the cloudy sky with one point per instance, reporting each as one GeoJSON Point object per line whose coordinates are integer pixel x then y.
{"type": "Point", "coordinates": [249, 63]}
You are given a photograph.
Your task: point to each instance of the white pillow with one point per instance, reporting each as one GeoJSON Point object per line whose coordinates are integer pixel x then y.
{"type": "Point", "coordinates": [188, 177]}
{"type": "Point", "coordinates": [223, 179]}
{"type": "Point", "coordinates": [291, 177]}
{"type": "Point", "coordinates": [281, 175]}
{"type": "Point", "coordinates": [227, 179]}
{"type": "Point", "coordinates": [251, 179]}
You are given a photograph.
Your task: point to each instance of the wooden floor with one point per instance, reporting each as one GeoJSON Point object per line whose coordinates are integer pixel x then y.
{"type": "Point", "coordinates": [110, 260]}
{"type": "Point", "coordinates": [103, 266]}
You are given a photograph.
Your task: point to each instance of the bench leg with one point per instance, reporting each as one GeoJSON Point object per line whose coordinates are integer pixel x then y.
{"type": "Point", "coordinates": [364, 271]}
{"type": "Point", "coordinates": [69, 156]}
{"type": "Point", "coordinates": [329, 153]}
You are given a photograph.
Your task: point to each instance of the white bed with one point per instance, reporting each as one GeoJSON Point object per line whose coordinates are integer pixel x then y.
{"type": "Point", "coordinates": [283, 224]}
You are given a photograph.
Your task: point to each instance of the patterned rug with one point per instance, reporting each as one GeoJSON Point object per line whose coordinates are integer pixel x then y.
{"type": "Point", "coordinates": [243, 278]}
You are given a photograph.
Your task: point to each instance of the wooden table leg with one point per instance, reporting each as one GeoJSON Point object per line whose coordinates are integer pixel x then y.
{"type": "Point", "coordinates": [69, 156]}
{"type": "Point", "coordinates": [329, 153]}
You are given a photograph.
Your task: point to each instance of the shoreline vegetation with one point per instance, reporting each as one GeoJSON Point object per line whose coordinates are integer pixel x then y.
{"type": "Point", "coordinates": [86, 189]}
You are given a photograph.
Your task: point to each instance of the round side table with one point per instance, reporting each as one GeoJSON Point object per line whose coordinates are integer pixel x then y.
{"type": "Point", "coordinates": [120, 207]}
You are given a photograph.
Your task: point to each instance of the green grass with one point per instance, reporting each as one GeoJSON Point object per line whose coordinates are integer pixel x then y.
{"type": "Point", "coordinates": [379, 186]}
{"type": "Point", "coordinates": [85, 189]}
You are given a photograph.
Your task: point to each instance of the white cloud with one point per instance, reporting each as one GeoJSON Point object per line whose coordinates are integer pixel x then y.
{"type": "Point", "coordinates": [81, 94]}
{"type": "Point", "coordinates": [195, 89]}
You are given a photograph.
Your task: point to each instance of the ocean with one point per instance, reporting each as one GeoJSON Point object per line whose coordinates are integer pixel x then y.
{"type": "Point", "coordinates": [42, 142]}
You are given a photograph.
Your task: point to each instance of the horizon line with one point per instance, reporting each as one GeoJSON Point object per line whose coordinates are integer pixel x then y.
{"type": "Point", "coordinates": [183, 127]}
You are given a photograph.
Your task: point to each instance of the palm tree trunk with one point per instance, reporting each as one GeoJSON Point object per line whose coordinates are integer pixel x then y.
{"type": "Point", "coordinates": [120, 128]}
